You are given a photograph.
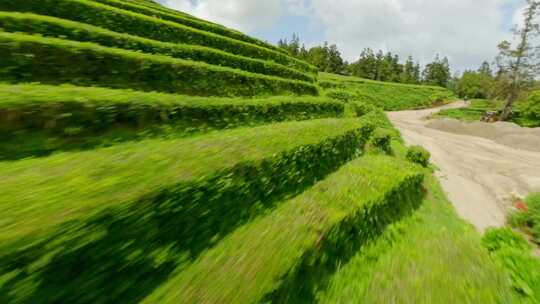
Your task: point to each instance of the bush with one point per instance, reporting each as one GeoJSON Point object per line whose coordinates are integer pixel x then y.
{"type": "Point", "coordinates": [340, 95]}
{"type": "Point", "coordinates": [27, 58]}
{"type": "Point", "coordinates": [141, 25]}
{"type": "Point", "coordinates": [529, 219]}
{"type": "Point", "coordinates": [500, 238]}
{"type": "Point", "coordinates": [532, 107]}
{"type": "Point", "coordinates": [419, 155]}
{"type": "Point", "coordinates": [362, 108]}
{"type": "Point", "coordinates": [65, 29]}
{"type": "Point", "coordinates": [382, 139]}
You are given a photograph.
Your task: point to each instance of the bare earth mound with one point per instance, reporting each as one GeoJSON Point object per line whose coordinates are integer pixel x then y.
{"type": "Point", "coordinates": [481, 165]}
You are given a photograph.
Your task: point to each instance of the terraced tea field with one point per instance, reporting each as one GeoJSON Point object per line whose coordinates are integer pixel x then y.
{"type": "Point", "coordinates": [151, 156]}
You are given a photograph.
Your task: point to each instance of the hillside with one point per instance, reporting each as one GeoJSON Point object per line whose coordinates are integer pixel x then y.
{"type": "Point", "coordinates": [151, 156]}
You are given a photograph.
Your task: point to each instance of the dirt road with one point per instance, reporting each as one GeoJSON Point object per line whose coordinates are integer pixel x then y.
{"type": "Point", "coordinates": [481, 165]}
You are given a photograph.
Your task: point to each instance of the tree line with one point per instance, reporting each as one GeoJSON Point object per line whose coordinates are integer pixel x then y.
{"type": "Point", "coordinates": [370, 64]}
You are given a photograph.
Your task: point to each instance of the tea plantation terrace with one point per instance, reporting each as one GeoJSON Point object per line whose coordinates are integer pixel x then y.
{"type": "Point", "coordinates": [151, 156]}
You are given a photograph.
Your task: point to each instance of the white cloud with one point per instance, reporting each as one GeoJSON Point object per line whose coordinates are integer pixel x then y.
{"type": "Point", "coordinates": [244, 15]}
{"type": "Point", "coordinates": [467, 31]}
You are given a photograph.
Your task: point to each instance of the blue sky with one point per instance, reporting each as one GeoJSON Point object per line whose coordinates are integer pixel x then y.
{"type": "Point", "coordinates": [467, 31]}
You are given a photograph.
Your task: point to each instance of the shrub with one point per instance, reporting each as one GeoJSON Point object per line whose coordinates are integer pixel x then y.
{"type": "Point", "coordinates": [532, 107]}
{"type": "Point", "coordinates": [419, 155]}
{"type": "Point", "coordinates": [361, 108]}
{"type": "Point", "coordinates": [382, 139]}
{"type": "Point", "coordinates": [340, 95]}
{"type": "Point", "coordinates": [529, 219]}
{"type": "Point", "coordinates": [65, 29]}
{"type": "Point", "coordinates": [500, 238]}
{"type": "Point", "coordinates": [27, 58]}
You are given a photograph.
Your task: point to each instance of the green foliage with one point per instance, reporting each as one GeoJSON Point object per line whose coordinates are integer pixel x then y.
{"type": "Point", "coordinates": [529, 219]}
{"type": "Point", "coordinates": [437, 73]}
{"type": "Point", "coordinates": [419, 155]}
{"type": "Point", "coordinates": [385, 95]}
{"type": "Point", "coordinates": [27, 58]}
{"type": "Point", "coordinates": [361, 108]}
{"type": "Point", "coordinates": [496, 239]}
{"type": "Point", "coordinates": [123, 21]}
{"type": "Point", "coordinates": [34, 118]}
{"type": "Point", "coordinates": [475, 85]}
{"type": "Point", "coordinates": [136, 215]}
{"type": "Point", "coordinates": [524, 270]}
{"type": "Point", "coordinates": [382, 139]}
{"type": "Point", "coordinates": [532, 108]}
{"type": "Point", "coordinates": [385, 67]}
{"type": "Point", "coordinates": [59, 28]}
{"type": "Point", "coordinates": [340, 95]}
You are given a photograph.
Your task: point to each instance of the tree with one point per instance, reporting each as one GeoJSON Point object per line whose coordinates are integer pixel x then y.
{"type": "Point", "coordinates": [475, 85]}
{"type": "Point", "coordinates": [437, 72]}
{"type": "Point", "coordinates": [485, 69]}
{"type": "Point", "coordinates": [518, 61]}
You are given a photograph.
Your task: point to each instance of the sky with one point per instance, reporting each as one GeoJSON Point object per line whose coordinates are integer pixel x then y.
{"type": "Point", "coordinates": [465, 31]}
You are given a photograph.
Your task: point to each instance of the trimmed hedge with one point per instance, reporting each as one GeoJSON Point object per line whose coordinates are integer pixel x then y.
{"type": "Point", "coordinates": [140, 25]}
{"type": "Point", "coordinates": [220, 30]}
{"type": "Point", "coordinates": [60, 28]}
{"type": "Point", "coordinates": [140, 211]}
{"type": "Point", "coordinates": [51, 108]}
{"type": "Point", "coordinates": [306, 235]}
{"type": "Point", "coordinates": [27, 58]}
{"type": "Point", "coordinates": [228, 174]}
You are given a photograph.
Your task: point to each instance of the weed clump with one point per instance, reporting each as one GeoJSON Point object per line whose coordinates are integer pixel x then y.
{"type": "Point", "coordinates": [419, 155]}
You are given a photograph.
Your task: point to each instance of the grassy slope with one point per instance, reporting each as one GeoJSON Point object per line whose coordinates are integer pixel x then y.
{"type": "Point", "coordinates": [389, 96]}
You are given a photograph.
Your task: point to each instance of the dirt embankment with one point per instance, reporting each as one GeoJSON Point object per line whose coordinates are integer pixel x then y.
{"type": "Point", "coordinates": [481, 165]}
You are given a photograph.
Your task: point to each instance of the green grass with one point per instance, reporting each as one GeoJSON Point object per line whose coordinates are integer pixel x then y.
{"type": "Point", "coordinates": [529, 220]}
{"type": "Point", "coordinates": [388, 96]}
{"type": "Point", "coordinates": [474, 112]}
{"type": "Point", "coordinates": [283, 157]}
{"type": "Point", "coordinates": [65, 29]}
{"type": "Point", "coordinates": [29, 58]}
{"type": "Point", "coordinates": [250, 263]}
{"type": "Point", "coordinates": [478, 108]}
{"type": "Point", "coordinates": [430, 257]}
{"type": "Point", "coordinates": [36, 120]}
{"type": "Point", "coordinates": [145, 26]}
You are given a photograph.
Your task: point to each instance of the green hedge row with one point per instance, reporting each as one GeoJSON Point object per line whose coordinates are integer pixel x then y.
{"type": "Point", "coordinates": [54, 109]}
{"type": "Point", "coordinates": [306, 236]}
{"type": "Point", "coordinates": [220, 30]}
{"type": "Point", "coordinates": [140, 25]}
{"type": "Point", "coordinates": [27, 58]}
{"type": "Point", "coordinates": [61, 28]}
{"type": "Point", "coordinates": [168, 203]}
